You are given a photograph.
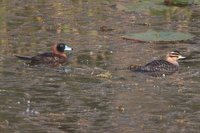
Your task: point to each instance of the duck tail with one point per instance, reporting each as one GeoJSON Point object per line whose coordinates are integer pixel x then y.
{"type": "Point", "coordinates": [135, 68]}
{"type": "Point", "coordinates": [23, 57]}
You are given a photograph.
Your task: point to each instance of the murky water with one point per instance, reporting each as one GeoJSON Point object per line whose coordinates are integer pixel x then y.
{"type": "Point", "coordinates": [75, 98]}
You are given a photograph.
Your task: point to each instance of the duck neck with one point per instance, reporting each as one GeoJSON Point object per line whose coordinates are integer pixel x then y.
{"type": "Point", "coordinates": [172, 60]}
{"type": "Point", "coordinates": [56, 52]}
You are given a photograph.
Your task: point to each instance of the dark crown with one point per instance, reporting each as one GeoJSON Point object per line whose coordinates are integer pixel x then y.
{"type": "Point", "coordinates": [61, 47]}
{"type": "Point", "coordinates": [175, 53]}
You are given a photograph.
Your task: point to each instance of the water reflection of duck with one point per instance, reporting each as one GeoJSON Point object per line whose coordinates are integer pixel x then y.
{"type": "Point", "coordinates": [55, 57]}
{"type": "Point", "coordinates": [162, 66]}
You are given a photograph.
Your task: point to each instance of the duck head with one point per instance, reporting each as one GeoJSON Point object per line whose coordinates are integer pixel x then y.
{"type": "Point", "coordinates": [60, 48]}
{"type": "Point", "coordinates": [173, 57]}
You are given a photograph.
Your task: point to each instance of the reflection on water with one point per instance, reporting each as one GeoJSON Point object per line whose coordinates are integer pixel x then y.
{"type": "Point", "coordinates": [74, 98]}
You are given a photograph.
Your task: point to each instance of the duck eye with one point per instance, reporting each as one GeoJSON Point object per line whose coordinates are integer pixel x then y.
{"type": "Point", "coordinates": [174, 56]}
{"type": "Point", "coordinates": [175, 52]}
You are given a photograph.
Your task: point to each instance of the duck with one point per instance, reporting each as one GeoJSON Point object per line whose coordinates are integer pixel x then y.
{"type": "Point", "coordinates": [56, 57]}
{"type": "Point", "coordinates": [160, 67]}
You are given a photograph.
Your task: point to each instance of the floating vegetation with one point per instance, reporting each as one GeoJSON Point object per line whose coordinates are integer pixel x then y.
{"type": "Point", "coordinates": [106, 75]}
{"type": "Point", "coordinates": [158, 36]}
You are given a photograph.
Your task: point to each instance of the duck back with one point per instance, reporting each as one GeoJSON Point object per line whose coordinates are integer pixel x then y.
{"type": "Point", "coordinates": [48, 58]}
{"type": "Point", "coordinates": [157, 66]}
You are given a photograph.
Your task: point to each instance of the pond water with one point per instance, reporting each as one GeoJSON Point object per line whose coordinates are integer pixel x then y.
{"type": "Point", "coordinates": [91, 93]}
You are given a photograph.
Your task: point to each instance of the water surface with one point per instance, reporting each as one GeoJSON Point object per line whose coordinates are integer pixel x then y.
{"type": "Point", "coordinates": [73, 98]}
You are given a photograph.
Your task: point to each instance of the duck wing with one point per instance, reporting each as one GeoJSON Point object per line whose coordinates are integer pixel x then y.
{"type": "Point", "coordinates": [42, 58]}
{"type": "Point", "coordinates": [160, 66]}
{"type": "Point", "coordinates": [38, 58]}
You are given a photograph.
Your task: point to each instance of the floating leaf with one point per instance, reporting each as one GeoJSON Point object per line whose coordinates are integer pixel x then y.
{"type": "Point", "coordinates": [179, 2]}
{"type": "Point", "coordinates": [145, 6]}
{"type": "Point", "coordinates": [155, 7]}
{"type": "Point", "coordinates": [156, 36]}
{"type": "Point", "coordinates": [106, 75]}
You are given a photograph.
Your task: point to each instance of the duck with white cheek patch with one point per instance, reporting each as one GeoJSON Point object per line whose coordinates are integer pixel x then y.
{"type": "Point", "coordinates": [54, 58]}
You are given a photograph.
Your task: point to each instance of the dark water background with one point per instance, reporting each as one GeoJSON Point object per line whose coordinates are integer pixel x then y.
{"type": "Point", "coordinates": [73, 98]}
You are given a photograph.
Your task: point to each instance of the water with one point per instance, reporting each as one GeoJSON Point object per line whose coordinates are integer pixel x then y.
{"type": "Point", "coordinates": [73, 98]}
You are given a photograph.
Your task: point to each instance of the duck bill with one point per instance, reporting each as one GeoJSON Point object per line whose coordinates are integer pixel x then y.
{"type": "Point", "coordinates": [67, 48]}
{"type": "Point", "coordinates": [181, 57]}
